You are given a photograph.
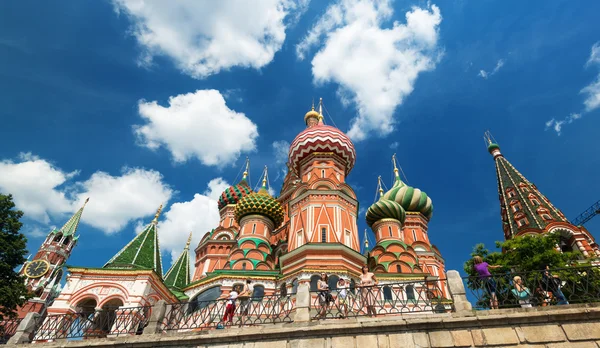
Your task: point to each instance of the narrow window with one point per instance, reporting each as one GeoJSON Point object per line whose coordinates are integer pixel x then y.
{"type": "Point", "coordinates": [522, 222]}
{"type": "Point", "coordinates": [414, 235]}
{"type": "Point", "coordinates": [322, 173]}
{"type": "Point", "coordinates": [390, 230]}
{"type": "Point", "coordinates": [348, 243]}
{"type": "Point", "coordinates": [323, 235]}
{"type": "Point", "coordinates": [230, 222]}
{"type": "Point", "coordinates": [299, 238]}
{"type": "Point", "coordinates": [254, 229]}
{"type": "Point", "coordinates": [244, 265]}
{"type": "Point", "coordinates": [398, 269]}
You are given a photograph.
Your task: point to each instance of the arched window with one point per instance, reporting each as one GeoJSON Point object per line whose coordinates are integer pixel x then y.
{"type": "Point", "coordinates": [254, 229]}
{"type": "Point", "coordinates": [58, 238]}
{"type": "Point", "coordinates": [243, 265]}
{"type": "Point", "coordinates": [294, 286]}
{"type": "Point", "coordinates": [332, 282]}
{"type": "Point", "coordinates": [322, 173]}
{"type": "Point", "coordinates": [258, 293]}
{"type": "Point", "coordinates": [511, 192]}
{"type": "Point", "coordinates": [565, 247]}
{"type": "Point", "coordinates": [522, 222]}
{"type": "Point", "coordinates": [313, 282]}
{"type": "Point", "coordinates": [205, 298]}
{"type": "Point", "coordinates": [410, 292]}
{"type": "Point", "coordinates": [66, 241]}
{"type": "Point", "coordinates": [398, 269]}
{"type": "Point", "coordinates": [390, 230]}
{"type": "Point", "coordinates": [387, 293]}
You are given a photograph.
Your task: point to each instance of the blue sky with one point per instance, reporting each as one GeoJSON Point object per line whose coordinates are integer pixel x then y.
{"type": "Point", "coordinates": [134, 106]}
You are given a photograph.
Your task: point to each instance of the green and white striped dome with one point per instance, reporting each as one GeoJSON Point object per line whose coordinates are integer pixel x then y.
{"type": "Point", "coordinates": [385, 209]}
{"type": "Point", "coordinates": [410, 198]}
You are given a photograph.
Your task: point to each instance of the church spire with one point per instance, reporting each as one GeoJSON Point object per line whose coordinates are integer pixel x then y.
{"type": "Point", "coordinates": [366, 242]}
{"type": "Point", "coordinates": [522, 205]}
{"type": "Point", "coordinates": [70, 227]}
{"type": "Point", "coordinates": [178, 276]}
{"type": "Point", "coordinates": [143, 252]}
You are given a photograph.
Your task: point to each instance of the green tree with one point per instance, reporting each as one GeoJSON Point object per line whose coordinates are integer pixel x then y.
{"type": "Point", "coordinates": [13, 292]}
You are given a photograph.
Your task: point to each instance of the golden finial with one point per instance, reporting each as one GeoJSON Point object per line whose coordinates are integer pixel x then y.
{"type": "Point", "coordinates": [157, 214]}
{"type": "Point", "coordinates": [313, 105]}
{"type": "Point", "coordinates": [264, 181]}
{"type": "Point", "coordinates": [395, 166]}
{"type": "Point", "coordinates": [380, 186]}
{"type": "Point", "coordinates": [488, 138]}
{"type": "Point", "coordinates": [321, 107]}
{"type": "Point", "coordinates": [245, 175]}
{"type": "Point", "coordinates": [366, 239]}
{"type": "Point", "coordinates": [86, 201]}
{"type": "Point", "coordinates": [189, 241]}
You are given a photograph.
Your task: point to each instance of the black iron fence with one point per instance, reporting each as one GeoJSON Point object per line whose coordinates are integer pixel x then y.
{"type": "Point", "coordinates": [93, 324]}
{"type": "Point", "coordinates": [202, 315]}
{"type": "Point", "coordinates": [383, 299]}
{"type": "Point", "coordinates": [8, 327]}
{"type": "Point", "coordinates": [537, 288]}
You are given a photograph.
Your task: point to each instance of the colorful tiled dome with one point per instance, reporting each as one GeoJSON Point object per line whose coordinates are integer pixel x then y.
{"type": "Point", "coordinates": [234, 193]}
{"type": "Point", "coordinates": [410, 198]}
{"type": "Point", "coordinates": [322, 138]}
{"type": "Point", "coordinates": [385, 209]}
{"type": "Point", "coordinates": [260, 203]}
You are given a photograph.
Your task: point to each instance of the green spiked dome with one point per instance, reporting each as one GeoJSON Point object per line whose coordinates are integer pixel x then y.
{"type": "Point", "coordinates": [385, 209]}
{"type": "Point", "coordinates": [410, 198]}
{"type": "Point", "coordinates": [260, 203]}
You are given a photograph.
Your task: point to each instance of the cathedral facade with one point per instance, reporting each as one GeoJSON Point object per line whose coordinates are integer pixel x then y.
{"type": "Point", "coordinates": [276, 242]}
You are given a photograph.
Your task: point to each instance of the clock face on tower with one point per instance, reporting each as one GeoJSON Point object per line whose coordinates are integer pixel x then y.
{"type": "Point", "coordinates": [37, 268]}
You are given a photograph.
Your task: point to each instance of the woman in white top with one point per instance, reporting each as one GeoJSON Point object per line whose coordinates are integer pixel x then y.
{"type": "Point", "coordinates": [230, 308]}
{"type": "Point", "coordinates": [343, 296]}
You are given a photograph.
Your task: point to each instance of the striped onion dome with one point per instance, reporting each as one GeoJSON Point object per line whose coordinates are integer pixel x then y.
{"type": "Point", "coordinates": [410, 198]}
{"type": "Point", "coordinates": [234, 193]}
{"type": "Point", "coordinates": [322, 138]}
{"type": "Point", "coordinates": [261, 203]}
{"type": "Point", "coordinates": [385, 209]}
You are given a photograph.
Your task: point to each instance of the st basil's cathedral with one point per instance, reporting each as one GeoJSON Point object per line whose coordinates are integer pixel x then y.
{"type": "Point", "coordinates": [280, 242]}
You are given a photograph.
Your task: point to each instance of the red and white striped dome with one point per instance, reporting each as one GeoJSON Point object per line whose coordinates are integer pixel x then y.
{"type": "Point", "coordinates": [322, 138]}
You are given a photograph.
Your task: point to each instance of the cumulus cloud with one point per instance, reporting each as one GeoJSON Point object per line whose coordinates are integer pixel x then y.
{"type": "Point", "coordinates": [591, 92]}
{"type": "Point", "coordinates": [374, 65]}
{"type": "Point", "coordinates": [205, 37]}
{"type": "Point", "coordinates": [198, 216]}
{"type": "Point", "coordinates": [281, 149]}
{"type": "Point", "coordinates": [485, 74]}
{"type": "Point", "coordinates": [196, 125]}
{"type": "Point", "coordinates": [47, 193]}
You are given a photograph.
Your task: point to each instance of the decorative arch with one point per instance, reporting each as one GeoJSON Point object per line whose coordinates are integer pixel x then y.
{"type": "Point", "coordinates": [113, 297]}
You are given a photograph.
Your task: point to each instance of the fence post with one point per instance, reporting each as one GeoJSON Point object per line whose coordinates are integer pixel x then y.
{"type": "Point", "coordinates": [26, 329]}
{"type": "Point", "coordinates": [457, 289]}
{"type": "Point", "coordinates": [302, 303]}
{"type": "Point", "coordinates": [156, 318]}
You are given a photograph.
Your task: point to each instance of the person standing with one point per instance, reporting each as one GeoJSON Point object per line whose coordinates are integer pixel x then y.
{"type": "Point", "coordinates": [489, 284]}
{"type": "Point", "coordinates": [245, 300]}
{"type": "Point", "coordinates": [367, 284]}
{"type": "Point", "coordinates": [343, 297]}
{"type": "Point", "coordinates": [323, 288]}
{"type": "Point", "coordinates": [230, 308]}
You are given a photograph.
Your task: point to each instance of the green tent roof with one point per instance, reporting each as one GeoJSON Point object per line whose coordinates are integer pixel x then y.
{"type": "Point", "coordinates": [142, 252]}
{"type": "Point", "coordinates": [70, 227]}
{"type": "Point", "coordinates": [178, 276]}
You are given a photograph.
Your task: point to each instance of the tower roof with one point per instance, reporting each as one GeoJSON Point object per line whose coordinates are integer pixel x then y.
{"type": "Point", "coordinates": [143, 252]}
{"type": "Point", "coordinates": [70, 227]}
{"type": "Point", "coordinates": [178, 276]}
{"type": "Point", "coordinates": [236, 192]}
{"type": "Point", "coordinates": [261, 203]}
{"type": "Point", "coordinates": [522, 205]}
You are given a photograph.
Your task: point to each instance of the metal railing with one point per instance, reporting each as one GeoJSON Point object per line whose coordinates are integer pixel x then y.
{"type": "Point", "coordinates": [94, 324]}
{"type": "Point", "coordinates": [202, 315]}
{"type": "Point", "coordinates": [383, 299]}
{"type": "Point", "coordinates": [535, 288]}
{"type": "Point", "coordinates": [8, 327]}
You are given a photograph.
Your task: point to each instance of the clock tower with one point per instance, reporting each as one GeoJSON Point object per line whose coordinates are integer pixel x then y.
{"type": "Point", "coordinates": [44, 272]}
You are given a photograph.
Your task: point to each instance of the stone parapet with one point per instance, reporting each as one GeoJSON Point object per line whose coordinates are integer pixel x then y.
{"type": "Point", "coordinates": [564, 326]}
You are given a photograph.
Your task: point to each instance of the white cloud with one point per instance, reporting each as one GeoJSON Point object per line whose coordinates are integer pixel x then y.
{"type": "Point", "coordinates": [198, 216]}
{"type": "Point", "coordinates": [375, 67]}
{"type": "Point", "coordinates": [205, 37]}
{"type": "Point", "coordinates": [281, 149]}
{"type": "Point", "coordinates": [394, 145]}
{"type": "Point", "coordinates": [115, 201]}
{"type": "Point", "coordinates": [485, 74]}
{"type": "Point", "coordinates": [36, 186]}
{"type": "Point", "coordinates": [47, 193]}
{"type": "Point", "coordinates": [197, 125]}
{"type": "Point", "coordinates": [591, 92]}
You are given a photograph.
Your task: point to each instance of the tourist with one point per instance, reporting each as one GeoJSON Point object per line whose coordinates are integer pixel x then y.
{"type": "Point", "coordinates": [552, 284]}
{"type": "Point", "coordinates": [367, 284]}
{"type": "Point", "coordinates": [245, 300]}
{"type": "Point", "coordinates": [343, 297]}
{"type": "Point", "coordinates": [521, 292]}
{"type": "Point", "coordinates": [283, 296]}
{"type": "Point", "coordinates": [324, 295]}
{"type": "Point", "coordinates": [230, 308]}
{"type": "Point", "coordinates": [482, 269]}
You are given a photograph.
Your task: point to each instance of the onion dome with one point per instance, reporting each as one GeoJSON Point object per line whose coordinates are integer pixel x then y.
{"type": "Point", "coordinates": [410, 198]}
{"type": "Point", "coordinates": [261, 203]}
{"type": "Point", "coordinates": [385, 209]}
{"type": "Point", "coordinates": [234, 193]}
{"type": "Point", "coordinates": [321, 138]}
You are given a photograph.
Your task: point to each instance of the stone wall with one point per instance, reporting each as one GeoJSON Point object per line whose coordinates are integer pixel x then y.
{"type": "Point", "coordinates": [576, 326]}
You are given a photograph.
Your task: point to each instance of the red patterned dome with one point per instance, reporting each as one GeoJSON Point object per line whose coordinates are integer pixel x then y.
{"type": "Point", "coordinates": [322, 138]}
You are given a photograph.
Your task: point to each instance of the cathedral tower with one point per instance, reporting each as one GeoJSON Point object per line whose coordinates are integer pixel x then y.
{"type": "Point", "coordinates": [525, 210]}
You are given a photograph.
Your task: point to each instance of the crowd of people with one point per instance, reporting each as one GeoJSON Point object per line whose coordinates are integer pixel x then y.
{"type": "Point", "coordinates": [549, 287]}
